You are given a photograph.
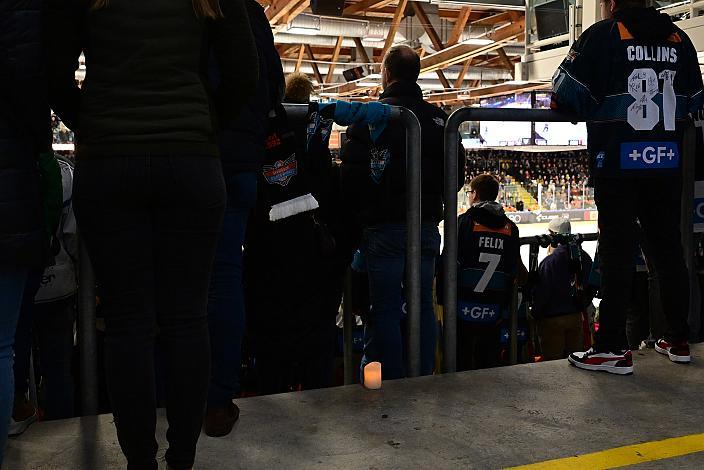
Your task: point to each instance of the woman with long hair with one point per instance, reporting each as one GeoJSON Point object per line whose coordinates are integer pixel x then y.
{"type": "Point", "coordinates": [149, 193]}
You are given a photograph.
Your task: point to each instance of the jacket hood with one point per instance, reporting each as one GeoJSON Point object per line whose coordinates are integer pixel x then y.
{"type": "Point", "coordinates": [489, 213]}
{"type": "Point", "coordinates": [646, 23]}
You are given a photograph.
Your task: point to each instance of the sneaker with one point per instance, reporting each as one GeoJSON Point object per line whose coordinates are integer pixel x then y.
{"type": "Point", "coordinates": [220, 421]}
{"type": "Point", "coordinates": [23, 415]}
{"type": "Point", "coordinates": [677, 352]}
{"type": "Point", "coordinates": [621, 363]}
{"type": "Point", "coordinates": [19, 427]}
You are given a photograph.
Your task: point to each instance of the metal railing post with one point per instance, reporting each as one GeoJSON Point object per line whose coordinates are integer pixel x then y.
{"type": "Point", "coordinates": [347, 327]}
{"type": "Point", "coordinates": [87, 335]}
{"type": "Point", "coordinates": [412, 286]}
{"type": "Point", "coordinates": [687, 227]}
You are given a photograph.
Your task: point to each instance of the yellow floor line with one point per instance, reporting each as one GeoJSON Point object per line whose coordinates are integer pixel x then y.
{"type": "Point", "coordinates": [623, 456]}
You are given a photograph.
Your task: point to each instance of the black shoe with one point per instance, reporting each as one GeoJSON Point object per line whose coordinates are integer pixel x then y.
{"type": "Point", "coordinates": [220, 421]}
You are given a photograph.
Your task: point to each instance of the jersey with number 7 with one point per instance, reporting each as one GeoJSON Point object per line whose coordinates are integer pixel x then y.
{"type": "Point", "coordinates": [635, 88]}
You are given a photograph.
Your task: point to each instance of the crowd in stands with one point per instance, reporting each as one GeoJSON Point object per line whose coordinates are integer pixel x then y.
{"type": "Point", "coordinates": [558, 180]}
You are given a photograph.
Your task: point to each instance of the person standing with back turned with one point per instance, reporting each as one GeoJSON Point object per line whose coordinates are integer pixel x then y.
{"type": "Point", "coordinates": [634, 77]}
{"type": "Point", "coordinates": [149, 193]}
{"type": "Point", "coordinates": [373, 184]}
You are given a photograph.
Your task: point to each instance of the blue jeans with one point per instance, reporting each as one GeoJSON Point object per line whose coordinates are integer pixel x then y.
{"type": "Point", "coordinates": [384, 247]}
{"type": "Point", "coordinates": [226, 314]}
{"type": "Point", "coordinates": [11, 289]}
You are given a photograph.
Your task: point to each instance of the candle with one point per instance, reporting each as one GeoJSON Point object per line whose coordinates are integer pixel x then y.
{"type": "Point", "coordinates": [372, 375]}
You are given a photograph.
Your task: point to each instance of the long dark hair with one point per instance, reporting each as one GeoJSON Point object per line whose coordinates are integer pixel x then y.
{"type": "Point", "coordinates": [203, 8]}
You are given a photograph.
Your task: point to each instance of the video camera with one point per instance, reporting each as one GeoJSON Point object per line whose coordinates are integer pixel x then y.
{"type": "Point", "coordinates": [556, 239]}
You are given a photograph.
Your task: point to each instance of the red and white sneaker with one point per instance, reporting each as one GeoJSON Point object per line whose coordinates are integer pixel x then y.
{"type": "Point", "coordinates": [613, 363]}
{"type": "Point", "coordinates": [677, 352]}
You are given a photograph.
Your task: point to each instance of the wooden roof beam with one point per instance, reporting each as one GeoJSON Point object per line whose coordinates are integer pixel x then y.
{"type": "Point", "coordinates": [508, 63]}
{"type": "Point", "coordinates": [301, 51]}
{"type": "Point", "coordinates": [335, 55]}
{"type": "Point", "coordinates": [316, 70]}
{"type": "Point", "coordinates": [364, 5]}
{"type": "Point", "coordinates": [279, 8]}
{"type": "Point", "coordinates": [460, 52]}
{"type": "Point", "coordinates": [398, 16]}
{"type": "Point", "coordinates": [295, 11]}
{"type": "Point", "coordinates": [460, 24]}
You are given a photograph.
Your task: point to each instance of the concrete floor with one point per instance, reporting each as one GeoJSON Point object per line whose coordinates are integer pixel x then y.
{"type": "Point", "coordinates": [482, 419]}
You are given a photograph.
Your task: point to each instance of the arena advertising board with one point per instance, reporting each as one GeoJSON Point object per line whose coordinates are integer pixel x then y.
{"type": "Point", "coordinates": [538, 217]}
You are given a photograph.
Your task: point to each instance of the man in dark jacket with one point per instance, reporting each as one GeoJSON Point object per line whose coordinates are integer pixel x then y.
{"type": "Point", "coordinates": [374, 189]}
{"type": "Point", "coordinates": [634, 78]}
{"type": "Point", "coordinates": [24, 135]}
{"type": "Point", "coordinates": [561, 295]}
{"type": "Point", "coordinates": [242, 149]}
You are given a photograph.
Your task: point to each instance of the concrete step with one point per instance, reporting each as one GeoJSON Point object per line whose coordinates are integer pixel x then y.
{"type": "Point", "coordinates": [481, 419]}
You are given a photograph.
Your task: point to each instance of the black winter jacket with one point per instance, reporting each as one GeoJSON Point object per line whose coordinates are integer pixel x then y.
{"type": "Point", "coordinates": [24, 133]}
{"type": "Point", "coordinates": [373, 176]}
{"type": "Point", "coordinates": [242, 141]}
{"type": "Point", "coordinates": [144, 91]}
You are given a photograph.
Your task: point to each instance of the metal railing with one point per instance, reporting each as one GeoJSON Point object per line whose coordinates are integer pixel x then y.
{"type": "Point", "coordinates": [450, 219]}
{"type": "Point", "coordinates": [295, 113]}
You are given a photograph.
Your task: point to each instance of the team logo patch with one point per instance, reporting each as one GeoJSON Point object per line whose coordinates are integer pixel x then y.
{"type": "Point", "coordinates": [281, 172]}
{"type": "Point", "coordinates": [379, 159]}
{"type": "Point", "coordinates": [649, 155]}
{"type": "Point", "coordinates": [478, 313]}
{"type": "Point", "coordinates": [318, 125]}
{"type": "Point", "coordinates": [571, 56]}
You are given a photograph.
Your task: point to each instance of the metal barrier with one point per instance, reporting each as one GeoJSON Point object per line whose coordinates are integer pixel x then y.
{"type": "Point", "coordinates": [451, 177]}
{"type": "Point", "coordinates": [296, 113]}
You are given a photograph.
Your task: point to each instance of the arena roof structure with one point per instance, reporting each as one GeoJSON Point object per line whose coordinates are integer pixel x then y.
{"type": "Point", "coordinates": [470, 49]}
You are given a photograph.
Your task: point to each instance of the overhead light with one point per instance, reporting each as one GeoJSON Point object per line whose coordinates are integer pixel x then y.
{"type": "Point", "coordinates": [478, 42]}
{"type": "Point", "coordinates": [328, 95]}
{"type": "Point", "coordinates": [373, 39]}
{"type": "Point", "coordinates": [517, 5]}
{"type": "Point", "coordinates": [309, 27]}
{"type": "Point", "coordinates": [303, 31]}
{"type": "Point", "coordinates": [373, 76]}
{"type": "Point", "coordinates": [367, 83]}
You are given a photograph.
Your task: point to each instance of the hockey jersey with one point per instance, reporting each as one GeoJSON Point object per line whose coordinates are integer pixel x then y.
{"type": "Point", "coordinates": [487, 259]}
{"type": "Point", "coordinates": [634, 79]}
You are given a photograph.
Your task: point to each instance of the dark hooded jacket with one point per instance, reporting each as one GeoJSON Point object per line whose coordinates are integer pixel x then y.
{"type": "Point", "coordinates": [634, 79]}
{"type": "Point", "coordinates": [373, 174]}
{"type": "Point", "coordinates": [242, 140]}
{"type": "Point", "coordinates": [24, 133]}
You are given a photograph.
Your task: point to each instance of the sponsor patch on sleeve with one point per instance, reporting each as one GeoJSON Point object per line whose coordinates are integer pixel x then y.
{"type": "Point", "coordinates": [649, 155]}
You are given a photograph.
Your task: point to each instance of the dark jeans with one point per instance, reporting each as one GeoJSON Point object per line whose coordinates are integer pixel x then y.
{"type": "Point", "coordinates": [655, 202]}
{"type": "Point", "coordinates": [12, 283]}
{"type": "Point", "coordinates": [384, 247]}
{"type": "Point", "coordinates": [151, 226]}
{"type": "Point", "coordinates": [50, 324]}
{"type": "Point", "coordinates": [23, 336]}
{"type": "Point", "coordinates": [226, 313]}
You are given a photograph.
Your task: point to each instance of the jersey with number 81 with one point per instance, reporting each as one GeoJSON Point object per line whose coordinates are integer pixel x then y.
{"type": "Point", "coordinates": [635, 95]}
